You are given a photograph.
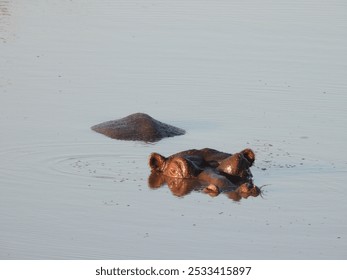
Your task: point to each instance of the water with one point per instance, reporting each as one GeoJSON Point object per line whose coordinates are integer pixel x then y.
{"type": "Point", "coordinates": [234, 74]}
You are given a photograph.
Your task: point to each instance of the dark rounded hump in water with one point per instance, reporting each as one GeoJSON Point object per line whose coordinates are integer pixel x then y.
{"type": "Point", "coordinates": [137, 127]}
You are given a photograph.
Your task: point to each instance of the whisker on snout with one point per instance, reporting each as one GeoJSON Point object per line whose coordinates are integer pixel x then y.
{"type": "Point", "coordinates": [262, 191]}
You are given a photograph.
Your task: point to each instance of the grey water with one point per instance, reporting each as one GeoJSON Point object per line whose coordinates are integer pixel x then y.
{"type": "Point", "coordinates": [268, 75]}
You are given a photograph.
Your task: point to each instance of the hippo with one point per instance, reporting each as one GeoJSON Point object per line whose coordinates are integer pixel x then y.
{"type": "Point", "coordinates": [206, 169]}
{"type": "Point", "coordinates": [137, 127]}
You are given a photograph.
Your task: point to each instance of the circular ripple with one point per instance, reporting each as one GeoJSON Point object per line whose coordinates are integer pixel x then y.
{"type": "Point", "coordinates": [49, 163]}
{"type": "Point", "coordinates": [104, 166]}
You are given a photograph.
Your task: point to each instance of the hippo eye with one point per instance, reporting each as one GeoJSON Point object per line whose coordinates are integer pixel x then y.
{"type": "Point", "coordinates": [173, 171]}
{"type": "Point", "coordinates": [178, 168]}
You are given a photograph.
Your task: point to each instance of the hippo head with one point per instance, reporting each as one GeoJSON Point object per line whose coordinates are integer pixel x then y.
{"type": "Point", "coordinates": [206, 169]}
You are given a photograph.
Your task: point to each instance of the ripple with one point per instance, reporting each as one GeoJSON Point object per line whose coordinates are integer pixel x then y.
{"type": "Point", "coordinates": [49, 163]}
{"type": "Point", "coordinates": [274, 158]}
{"type": "Point", "coordinates": [102, 166]}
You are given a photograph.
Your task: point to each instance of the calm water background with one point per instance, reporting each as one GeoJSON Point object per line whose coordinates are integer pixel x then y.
{"type": "Point", "coordinates": [270, 75]}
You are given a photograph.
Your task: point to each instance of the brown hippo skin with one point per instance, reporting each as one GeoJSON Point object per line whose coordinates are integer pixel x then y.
{"type": "Point", "coordinates": [207, 169]}
{"type": "Point", "coordinates": [137, 127]}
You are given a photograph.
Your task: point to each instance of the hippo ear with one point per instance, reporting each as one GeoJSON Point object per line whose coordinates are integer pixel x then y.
{"type": "Point", "coordinates": [249, 155]}
{"type": "Point", "coordinates": [156, 162]}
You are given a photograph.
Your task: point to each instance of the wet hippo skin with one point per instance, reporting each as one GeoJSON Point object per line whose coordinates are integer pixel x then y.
{"type": "Point", "coordinates": [137, 127]}
{"type": "Point", "coordinates": [207, 169]}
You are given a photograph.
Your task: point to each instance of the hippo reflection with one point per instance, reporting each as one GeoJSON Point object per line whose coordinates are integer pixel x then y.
{"type": "Point", "coordinates": [206, 170]}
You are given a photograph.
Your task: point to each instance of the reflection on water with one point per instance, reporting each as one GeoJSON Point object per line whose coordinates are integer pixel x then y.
{"type": "Point", "coordinates": [4, 19]}
{"type": "Point", "coordinates": [181, 187]}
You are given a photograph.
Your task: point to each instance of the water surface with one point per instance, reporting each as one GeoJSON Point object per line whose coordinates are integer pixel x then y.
{"type": "Point", "coordinates": [270, 76]}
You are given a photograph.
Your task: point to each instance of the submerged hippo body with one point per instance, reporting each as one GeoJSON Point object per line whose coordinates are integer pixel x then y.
{"type": "Point", "coordinates": [207, 169]}
{"type": "Point", "coordinates": [137, 127]}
